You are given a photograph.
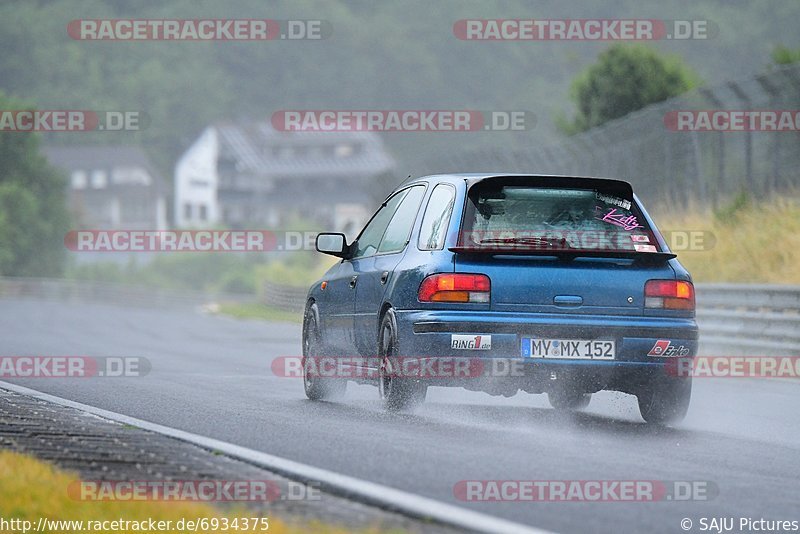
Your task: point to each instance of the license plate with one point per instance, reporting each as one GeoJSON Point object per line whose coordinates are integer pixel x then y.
{"type": "Point", "coordinates": [569, 349]}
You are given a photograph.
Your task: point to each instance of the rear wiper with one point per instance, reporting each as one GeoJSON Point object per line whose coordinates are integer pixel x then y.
{"type": "Point", "coordinates": [540, 246]}
{"type": "Point", "coordinates": [536, 241]}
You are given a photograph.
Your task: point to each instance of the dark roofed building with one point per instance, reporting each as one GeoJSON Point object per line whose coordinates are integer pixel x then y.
{"type": "Point", "coordinates": [111, 187]}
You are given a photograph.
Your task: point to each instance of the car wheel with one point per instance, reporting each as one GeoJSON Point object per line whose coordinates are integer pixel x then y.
{"type": "Point", "coordinates": [566, 400]}
{"type": "Point", "coordinates": [666, 401]}
{"type": "Point", "coordinates": [317, 387]}
{"type": "Point", "coordinates": [398, 393]}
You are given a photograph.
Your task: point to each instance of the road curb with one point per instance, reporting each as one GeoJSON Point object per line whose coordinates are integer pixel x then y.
{"type": "Point", "coordinates": [370, 493]}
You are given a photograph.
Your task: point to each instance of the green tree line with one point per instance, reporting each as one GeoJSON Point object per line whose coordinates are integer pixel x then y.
{"type": "Point", "coordinates": [384, 55]}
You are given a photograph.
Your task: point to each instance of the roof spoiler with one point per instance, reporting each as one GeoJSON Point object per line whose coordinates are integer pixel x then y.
{"type": "Point", "coordinates": [567, 254]}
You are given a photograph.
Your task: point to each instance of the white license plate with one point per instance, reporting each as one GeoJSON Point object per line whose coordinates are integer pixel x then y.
{"type": "Point", "coordinates": [569, 349]}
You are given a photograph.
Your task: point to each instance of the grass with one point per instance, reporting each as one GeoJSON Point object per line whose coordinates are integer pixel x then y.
{"type": "Point", "coordinates": [31, 489]}
{"type": "Point", "coordinates": [302, 272]}
{"type": "Point", "coordinates": [259, 311]}
{"type": "Point", "coordinates": [756, 242]}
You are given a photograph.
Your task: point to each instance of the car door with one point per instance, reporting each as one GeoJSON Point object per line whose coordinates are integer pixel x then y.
{"type": "Point", "coordinates": [374, 270]}
{"type": "Point", "coordinates": [336, 305]}
{"type": "Point", "coordinates": [342, 298]}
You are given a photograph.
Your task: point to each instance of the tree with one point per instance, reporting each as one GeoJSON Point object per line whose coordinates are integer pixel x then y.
{"type": "Point", "coordinates": [782, 55]}
{"type": "Point", "coordinates": [624, 79]}
{"type": "Point", "coordinates": [33, 213]}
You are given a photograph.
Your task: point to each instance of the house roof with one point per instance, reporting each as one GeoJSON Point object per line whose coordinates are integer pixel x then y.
{"type": "Point", "coordinates": [90, 157]}
{"type": "Point", "coordinates": [258, 148]}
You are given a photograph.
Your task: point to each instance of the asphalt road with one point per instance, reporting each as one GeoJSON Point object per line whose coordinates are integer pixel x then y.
{"type": "Point", "coordinates": [211, 376]}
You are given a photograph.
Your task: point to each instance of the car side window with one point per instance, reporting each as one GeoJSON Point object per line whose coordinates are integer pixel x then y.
{"type": "Point", "coordinates": [433, 230]}
{"type": "Point", "coordinates": [399, 229]}
{"type": "Point", "coordinates": [370, 237]}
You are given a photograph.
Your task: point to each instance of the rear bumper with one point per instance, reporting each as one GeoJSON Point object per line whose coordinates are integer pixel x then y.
{"type": "Point", "coordinates": [428, 335]}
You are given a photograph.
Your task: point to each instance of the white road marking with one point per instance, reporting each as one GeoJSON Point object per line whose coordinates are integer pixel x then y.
{"type": "Point", "coordinates": [383, 497]}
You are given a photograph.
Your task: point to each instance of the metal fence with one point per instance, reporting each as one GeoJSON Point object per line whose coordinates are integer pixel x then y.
{"type": "Point", "coordinates": [757, 320]}
{"type": "Point", "coordinates": [109, 293]}
{"type": "Point", "coordinates": [667, 165]}
{"type": "Point", "coordinates": [283, 297]}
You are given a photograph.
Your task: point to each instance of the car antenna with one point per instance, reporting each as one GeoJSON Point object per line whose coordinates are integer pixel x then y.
{"type": "Point", "coordinates": [398, 185]}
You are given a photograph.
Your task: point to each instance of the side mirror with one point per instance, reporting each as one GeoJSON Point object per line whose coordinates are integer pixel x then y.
{"type": "Point", "coordinates": [333, 244]}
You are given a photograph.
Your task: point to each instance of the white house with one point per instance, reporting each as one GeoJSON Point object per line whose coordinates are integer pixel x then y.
{"type": "Point", "coordinates": [196, 182]}
{"type": "Point", "coordinates": [247, 173]}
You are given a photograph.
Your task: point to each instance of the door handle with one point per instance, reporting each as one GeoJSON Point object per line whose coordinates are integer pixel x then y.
{"type": "Point", "coordinates": [568, 300]}
{"type": "Point", "coordinates": [353, 281]}
{"type": "Point", "coordinates": [384, 277]}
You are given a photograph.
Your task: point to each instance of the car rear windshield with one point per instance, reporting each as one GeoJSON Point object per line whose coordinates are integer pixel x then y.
{"type": "Point", "coordinates": [559, 218]}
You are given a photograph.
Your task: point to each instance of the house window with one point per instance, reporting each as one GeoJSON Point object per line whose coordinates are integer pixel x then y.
{"type": "Point", "coordinates": [79, 180]}
{"type": "Point", "coordinates": [130, 176]}
{"type": "Point", "coordinates": [187, 211]}
{"type": "Point", "coordinates": [203, 212]}
{"type": "Point", "coordinates": [99, 179]}
{"type": "Point", "coordinates": [343, 151]}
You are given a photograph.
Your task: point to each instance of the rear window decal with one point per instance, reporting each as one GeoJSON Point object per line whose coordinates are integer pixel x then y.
{"type": "Point", "coordinates": [627, 222]}
{"type": "Point", "coordinates": [614, 201]}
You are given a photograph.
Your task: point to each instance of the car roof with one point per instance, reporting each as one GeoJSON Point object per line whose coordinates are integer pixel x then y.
{"type": "Point", "coordinates": [474, 177]}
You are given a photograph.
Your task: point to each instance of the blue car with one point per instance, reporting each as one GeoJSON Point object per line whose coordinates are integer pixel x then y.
{"type": "Point", "coordinates": [500, 283]}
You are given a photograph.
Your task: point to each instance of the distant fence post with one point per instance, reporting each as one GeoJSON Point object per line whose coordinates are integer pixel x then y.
{"type": "Point", "coordinates": [282, 297]}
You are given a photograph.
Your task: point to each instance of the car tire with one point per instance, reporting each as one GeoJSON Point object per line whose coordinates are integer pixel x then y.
{"type": "Point", "coordinates": [666, 401]}
{"type": "Point", "coordinates": [566, 400]}
{"type": "Point", "coordinates": [398, 393]}
{"type": "Point", "coordinates": [317, 387]}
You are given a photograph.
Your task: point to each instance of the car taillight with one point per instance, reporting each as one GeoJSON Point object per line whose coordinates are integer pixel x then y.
{"type": "Point", "coordinates": [455, 287]}
{"type": "Point", "coordinates": [669, 294]}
